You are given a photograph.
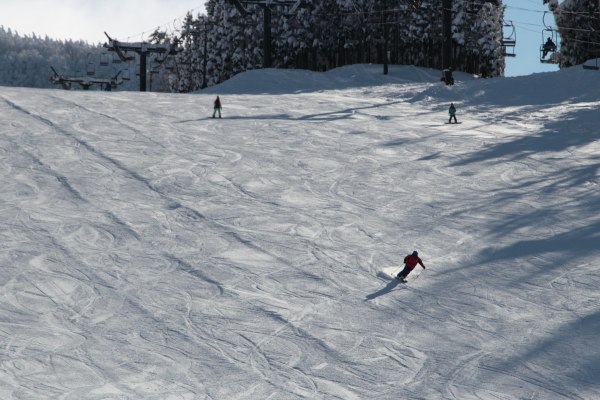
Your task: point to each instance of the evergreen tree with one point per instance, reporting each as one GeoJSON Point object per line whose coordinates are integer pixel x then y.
{"type": "Point", "coordinates": [578, 23]}
{"type": "Point", "coordinates": [326, 34]}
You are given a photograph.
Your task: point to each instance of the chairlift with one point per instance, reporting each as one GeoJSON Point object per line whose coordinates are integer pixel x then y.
{"type": "Point", "coordinates": [510, 41]}
{"type": "Point", "coordinates": [595, 53]}
{"type": "Point", "coordinates": [116, 59]}
{"type": "Point", "coordinates": [550, 46]}
{"type": "Point", "coordinates": [593, 50]}
{"type": "Point", "coordinates": [90, 69]}
{"type": "Point", "coordinates": [588, 66]}
{"type": "Point", "coordinates": [125, 74]}
{"type": "Point", "coordinates": [104, 60]}
{"type": "Point", "coordinates": [471, 41]}
{"type": "Point", "coordinates": [471, 11]}
{"type": "Point", "coordinates": [167, 63]}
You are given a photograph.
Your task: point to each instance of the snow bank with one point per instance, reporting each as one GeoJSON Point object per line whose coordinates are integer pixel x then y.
{"type": "Point", "coordinates": [570, 84]}
{"type": "Point", "coordinates": [282, 81]}
{"type": "Point", "coordinates": [573, 84]}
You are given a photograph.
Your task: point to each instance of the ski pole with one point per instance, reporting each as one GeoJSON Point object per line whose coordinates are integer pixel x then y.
{"type": "Point", "coordinates": [424, 269]}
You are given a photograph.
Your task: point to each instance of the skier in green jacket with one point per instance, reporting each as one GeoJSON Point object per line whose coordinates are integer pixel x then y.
{"type": "Point", "coordinates": [452, 112]}
{"type": "Point", "coordinates": [217, 107]}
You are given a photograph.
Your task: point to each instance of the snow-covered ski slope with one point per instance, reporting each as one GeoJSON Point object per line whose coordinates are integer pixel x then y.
{"type": "Point", "coordinates": [151, 252]}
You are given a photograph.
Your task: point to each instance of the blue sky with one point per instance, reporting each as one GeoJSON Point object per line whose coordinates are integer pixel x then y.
{"type": "Point", "coordinates": [133, 19]}
{"type": "Point", "coordinates": [527, 16]}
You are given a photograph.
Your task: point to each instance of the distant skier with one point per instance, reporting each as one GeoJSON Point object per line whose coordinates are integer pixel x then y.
{"type": "Point", "coordinates": [217, 107]}
{"type": "Point", "coordinates": [452, 112]}
{"type": "Point", "coordinates": [107, 88]}
{"type": "Point", "coordinates": [410, 262]}
{"type": "Point", "coordinates": [548, 46]}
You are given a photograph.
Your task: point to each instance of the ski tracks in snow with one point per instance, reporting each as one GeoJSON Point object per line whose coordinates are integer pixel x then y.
{"type": "Point", "coordinates": [151, 254]}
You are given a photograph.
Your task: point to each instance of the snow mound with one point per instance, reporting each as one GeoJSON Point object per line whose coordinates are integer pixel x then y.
{"type": "Point", "coordinates": [573, 84]}
{"type": "Point", "coordinates": [282, 81]}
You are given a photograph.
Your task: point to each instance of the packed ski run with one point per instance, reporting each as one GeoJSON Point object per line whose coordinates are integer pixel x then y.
{"type": "Point", "coordinates": [152, 252]}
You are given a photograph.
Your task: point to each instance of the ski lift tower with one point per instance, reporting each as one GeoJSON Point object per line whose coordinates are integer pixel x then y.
{"type": "Point", "coordinates": [447, 43]}
{"type": "Point", "coordinates": [143, 49]}
{"type": "Point", "coordinates": [266, 5]}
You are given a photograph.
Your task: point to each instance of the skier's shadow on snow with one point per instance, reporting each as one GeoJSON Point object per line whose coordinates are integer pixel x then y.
{"type": "Point", "coordinates": [388, 288]}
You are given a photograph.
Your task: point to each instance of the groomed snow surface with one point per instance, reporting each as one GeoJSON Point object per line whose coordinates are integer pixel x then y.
{"type": "Point", "coordinates": [151, 252]}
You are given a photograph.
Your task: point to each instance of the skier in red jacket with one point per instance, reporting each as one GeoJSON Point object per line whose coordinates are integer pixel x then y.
{"type": "Point", "coordinates": [411, 262]}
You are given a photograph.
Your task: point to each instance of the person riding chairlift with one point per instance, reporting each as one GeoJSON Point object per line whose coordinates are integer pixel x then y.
{"type": "Point", "coordinates": [548, 47]}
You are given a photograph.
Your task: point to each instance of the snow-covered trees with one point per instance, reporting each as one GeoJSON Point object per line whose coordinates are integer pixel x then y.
{"type": "Point", "coordinates": [486, 29]}
{"type": "Point", "coordinates": [26, 60]}
{"type": "Point", "coordinates": [330, 33]}
{"type": "Point", "coordinates": [578, 23]}
{"type": "Point", "coordinates": [319, 35]}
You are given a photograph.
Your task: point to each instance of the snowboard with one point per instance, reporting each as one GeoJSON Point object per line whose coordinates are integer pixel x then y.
{"type": "Point", "coordinates": [453, 123]}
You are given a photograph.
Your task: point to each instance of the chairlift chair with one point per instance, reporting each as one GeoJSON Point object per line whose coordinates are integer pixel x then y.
{"type": "Point", "coordinates": [89, 69]}
{"type": "Point", "coordinates": [552, 34]}
{"type": "Point", "coordinates": [592, 53]}
{"type": "Point", "coordinates": [125, 74]}
{"type": "Point", "coordinates": [510, 41]}
{"type": "Point", "coordinates": [593, 50]}
{"type": "Point", "coordinates": [594, 67]}
{"type": "Point", "coordinates": [167, 65]}
{"type": "Point", "coordinates": [104, 60]}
